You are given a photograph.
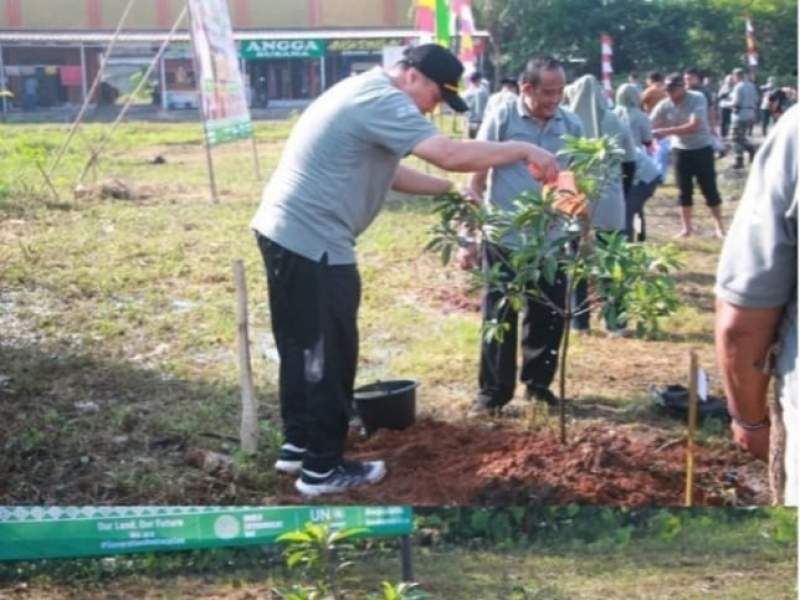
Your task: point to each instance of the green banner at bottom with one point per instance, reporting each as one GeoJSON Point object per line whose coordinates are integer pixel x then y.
{"type": "Point", "coordinates": [28, 533]}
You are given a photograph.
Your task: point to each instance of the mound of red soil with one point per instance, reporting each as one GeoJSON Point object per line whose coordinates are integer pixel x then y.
{"type": "Point", "coordinates": [438, 463]}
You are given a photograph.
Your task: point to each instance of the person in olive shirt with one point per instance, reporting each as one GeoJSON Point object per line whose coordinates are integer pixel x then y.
{"type": "Point", "coordinates": [756, 320]}
{"type": "Point", "coordinates": [339, 162]}
{"type": "Point", "coordinates": [683, 114]}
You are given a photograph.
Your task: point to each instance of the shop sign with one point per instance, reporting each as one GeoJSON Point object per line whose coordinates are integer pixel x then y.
{"type": "Point", "coordinates": [252, 49]}
{"type": "Point", "coordinates": [361, 45]}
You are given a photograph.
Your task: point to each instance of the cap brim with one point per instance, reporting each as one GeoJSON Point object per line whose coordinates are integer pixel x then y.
{"type": "Point", "coordinates": [454, 101]}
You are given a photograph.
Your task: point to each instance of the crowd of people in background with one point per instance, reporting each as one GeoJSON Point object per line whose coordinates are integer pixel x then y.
{"type": "Point", "coordinates": [725, 118]}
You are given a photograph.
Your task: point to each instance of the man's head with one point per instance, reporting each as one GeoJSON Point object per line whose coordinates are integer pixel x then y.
{"type": "Point", "coordinates": [510, 85]}
{"type": "Point", "coordinates": [542, 88]}
{"type": "Point", "coordinates": [675, 87]}
{"type": "Point", "coordinates": [475, 78]}
{"type": "Point", "coordinates": [692, 78]}
{"type": "Point", "coordinates": [739, 75]}
{"type": "Point", "coordinates": [655, 78]}
{"type": "Point", "coordinates": [430, 74]}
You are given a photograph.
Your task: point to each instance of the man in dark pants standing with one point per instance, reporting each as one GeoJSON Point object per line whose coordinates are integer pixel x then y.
{"type": "Point", "coordinates": [683, 114]}
{"type": "Point", "coordinates": [536, 117]}
{"type": "Point", "coordinates": [339, 162]}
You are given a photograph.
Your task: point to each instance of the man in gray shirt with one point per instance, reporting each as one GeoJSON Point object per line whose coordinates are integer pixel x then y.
{"type": "Point", "coordinates": [476, 97]}
{"type": "Point", "coordinates": [756, 320]}
{"type": "Point", "coordinates": [745, 103]}
{"type": "Point", "coordinates": [339, 162]}
{"type": "Point", "coordinates": [683, 114]}
{"type": "Point", "coordinates": [536, 117]}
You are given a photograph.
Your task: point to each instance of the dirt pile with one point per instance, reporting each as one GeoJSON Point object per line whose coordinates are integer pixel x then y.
{"type": "Point", "coordinates": [438, 463]}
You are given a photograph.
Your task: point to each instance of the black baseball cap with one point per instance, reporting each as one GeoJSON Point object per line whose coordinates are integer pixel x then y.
{"type": "Point", "coordinates": [440, 66]}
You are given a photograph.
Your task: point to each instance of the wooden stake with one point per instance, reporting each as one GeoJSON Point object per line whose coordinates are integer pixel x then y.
{"type": "Point", "coordinates": [692, 427]}
{"type": "Point", "coordinates": [248, 432]}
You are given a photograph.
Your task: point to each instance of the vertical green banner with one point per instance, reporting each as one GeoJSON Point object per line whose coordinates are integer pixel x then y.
{"type": "Point", "coordinates": [28, 533]}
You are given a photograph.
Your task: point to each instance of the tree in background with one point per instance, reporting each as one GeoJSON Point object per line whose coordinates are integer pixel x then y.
{"type": "Point", "coordinates": [657, 34]}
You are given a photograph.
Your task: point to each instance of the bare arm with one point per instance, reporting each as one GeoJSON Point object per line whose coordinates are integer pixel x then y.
{"type": "Point", "coordinates": [411, 181]}
{"type": "Point", "coordinates": [475, 155]}
{"type": "Point", "coordinates": [743, 338]}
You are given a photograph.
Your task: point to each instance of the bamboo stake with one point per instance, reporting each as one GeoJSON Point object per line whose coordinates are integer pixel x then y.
{"type": "Point", "coordinates": [248, 432]}
{"type": "Point", "coordinates": [692, 427]}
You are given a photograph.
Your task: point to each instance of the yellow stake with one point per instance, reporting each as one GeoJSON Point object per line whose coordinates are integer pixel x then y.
{"type": "Point", "coordinates": [692, 427]}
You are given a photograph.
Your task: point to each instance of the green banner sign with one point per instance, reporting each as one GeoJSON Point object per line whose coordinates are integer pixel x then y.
{"type": "Point", "coordinates": [251, 49]}
{"type": "Point", "coordinates": [28, 533]}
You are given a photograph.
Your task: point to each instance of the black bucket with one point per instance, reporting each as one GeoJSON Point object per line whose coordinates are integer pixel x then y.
{"type": "Point", "coordinates": [387, 404]}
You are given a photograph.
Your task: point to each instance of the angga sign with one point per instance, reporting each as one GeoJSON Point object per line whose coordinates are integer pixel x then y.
{"type": "Point", "coordinates": [253, 49]}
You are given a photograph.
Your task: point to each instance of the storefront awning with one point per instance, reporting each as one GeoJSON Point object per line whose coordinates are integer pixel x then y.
{"type": "Point", "coordinates": [31, 37]}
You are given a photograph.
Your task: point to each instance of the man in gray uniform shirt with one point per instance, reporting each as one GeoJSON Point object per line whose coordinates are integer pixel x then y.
{"type": "Point", "coordinates": [683, 114]}
{"type": "Point", "coordinates": [745, 104]}
{"type": "Point", "coordinates": [756, 320]}
{"type": "Point", "coordinates": [339, 162]}
{"type": "Point", "coordinates": [537, 117]}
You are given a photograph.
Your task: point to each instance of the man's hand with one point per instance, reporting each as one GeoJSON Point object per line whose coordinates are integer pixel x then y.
{"type": "Point", "coordinates": [542, 164]}
{"type": "Point", "coordinates": [755, 442]}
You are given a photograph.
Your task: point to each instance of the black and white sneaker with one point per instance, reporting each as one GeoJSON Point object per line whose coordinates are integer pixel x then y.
{"type": "Point", "coordinates": [347, 475]}
{"type": "Point", "coordinates": [290, 459]}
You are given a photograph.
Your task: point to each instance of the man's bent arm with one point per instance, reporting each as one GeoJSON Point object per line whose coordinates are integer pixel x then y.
{"type": "Point", "coordinates": [743, 338]}
{"type": "Point", "coordinates": [474, 155]}
{"type": "Point", "coordinates": [411, 181]}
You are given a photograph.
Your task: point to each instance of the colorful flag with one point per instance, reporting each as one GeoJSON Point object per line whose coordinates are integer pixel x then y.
{"type": "Point", "coordinates": [752, 55]}
{"type": "Point", "coordinates": [425, 17]}
{"type": "Point", "coordinates": [466, 30]}
{"type": "Point", "coordinates": [607, 52]}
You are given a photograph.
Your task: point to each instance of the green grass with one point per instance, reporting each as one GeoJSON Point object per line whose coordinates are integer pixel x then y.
{"type": "Point", "coordinates": [129, 304]}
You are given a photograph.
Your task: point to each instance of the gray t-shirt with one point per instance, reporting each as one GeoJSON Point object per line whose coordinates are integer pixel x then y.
{"type": "Point", "coordinates": [338, 165]}
{"type": "Point", "coordinates": [745, 102]}
{"type": "Point", "coordinates": [512, 121]}
{"type": "Point", "coordinates": [758, 265]}
{"type": "Point", "coordinates": [668, 114]}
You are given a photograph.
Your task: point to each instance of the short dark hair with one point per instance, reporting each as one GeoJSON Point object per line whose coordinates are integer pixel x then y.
{"type": "Point", "coordinates": [535, 66]}
{"type": "Point", "coordinates": [655, 76]}
{"type": "Point", "coordinates": [693, 71]}
{"type": "Point", "coordinates": [476, 77]}
{"type": "Point", "coordinates": [674, 80]}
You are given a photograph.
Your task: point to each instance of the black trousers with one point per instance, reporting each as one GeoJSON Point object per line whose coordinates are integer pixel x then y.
{"type": "Point", "coordinates": [699, 164]}
{"type": "Point", "coordinates": [313, 308]}
{"type": "Point", "coordinates": [541, 337]}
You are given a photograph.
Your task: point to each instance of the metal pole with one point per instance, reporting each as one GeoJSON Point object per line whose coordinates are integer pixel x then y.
{"type": "Point", "coordinates": [322, 74]}
{"type": "Point", "coordinates": [163, 78]}
{"type": "Point", "coordinates": [3, 82]}
{"type": "Point", "coordinates": [406, 558]}
{"type": "Point", "coordinates": [84, 89]}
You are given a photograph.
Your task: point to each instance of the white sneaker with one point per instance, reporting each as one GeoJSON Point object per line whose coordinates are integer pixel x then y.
{"type": "Point", "coordinates": [345, 476]}
{"type": "Point", "coordinates": [290, 459]}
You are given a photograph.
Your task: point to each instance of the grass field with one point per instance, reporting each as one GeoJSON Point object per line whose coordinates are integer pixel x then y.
{"type": "Point", "coordinates": [117, 320]}
{"type": "Point", "coordinates": [743, 558]}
